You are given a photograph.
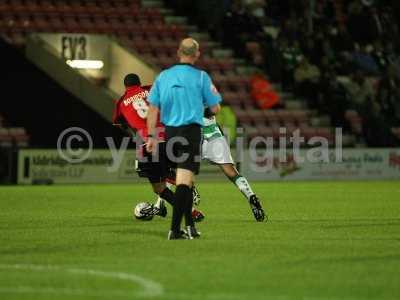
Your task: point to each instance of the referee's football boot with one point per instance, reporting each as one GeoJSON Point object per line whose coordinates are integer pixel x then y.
{"type": "Point", "coordinates": [256, 208]}
{"type": "Point", "coordinates": [182, 235]}
{"type": "Point", "coordinates": [192, 232]}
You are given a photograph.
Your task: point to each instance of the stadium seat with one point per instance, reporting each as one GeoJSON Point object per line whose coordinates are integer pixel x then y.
{"type": "Point", "coordinates": [86, 24]}
{"type": "Point", "coordinates": [211, 64]}
{"type": "Point", "coordinates": [108, 9]}
{"type": "Point", "coordinates": [267, 133]}
{"type": "Point", "coordinates": [116, 25]}
{"type": "Point", "coordinates": [61, 7]}
{"type": "Point", "coordinates": [168, 62]}
{"type": "Point", "coordinates": [47, 6]}
{"type": "Point", "coordinates": [55, 24]}
{"type": "Point", "coordinates": [326, 133]}
{"type": "Point", "coordinates": [300, 116]}
{"type": "Point", "coordinates": [226, 65]}
{"type": "Point", "coordinates": [78, 8]}
{"type": "Point", "coordinates": [271, 115]}
{"type": "Point", "coordinates": [40, 23]}
{"type": "Point", "coordinates": [93, 9]}
{"type": "Point", "coordinates": [17, 39]}
{"type": "Point", "coordinates": [101, 25]}
{"type": "Point", "coordinates": [308, 133]}
{"type": "Point", "coordinates": [223, 87]}
{"type": "Point", "coordinates": [19, 136]}
{"type": "Point", "coordinates": [396, 132]}
{"type": "Point", "coordinates": [5, 7]}
{"type": "Point", "coordinates": [284, 115]}
{"type": "Point", "coordinates": [231, 98]}
{"type": "Point", "coordinates": [5, 138]}
{"type": "Point", "coordinates": [134, 29]}
{"type": "Point", "coordinates": [250, 131]}
{"type": "Point", "coordinates": [33, 7]}
{"type": "Point", "coordinates": [351, 114]}
{"type": "Point", "coordinates": [257, 115]}
{"type": "Point", "coordinates": [242, 116]}
{"type": "Point", "coordinates": [17, 6]}
{"type": "Point", "coordinates": [253, 48]}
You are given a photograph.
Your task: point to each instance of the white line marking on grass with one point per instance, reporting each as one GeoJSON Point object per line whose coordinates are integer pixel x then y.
{"type": "Point", "coordinates": [149, 288]}
{"type": "Point", "coordinates": [62, 291]}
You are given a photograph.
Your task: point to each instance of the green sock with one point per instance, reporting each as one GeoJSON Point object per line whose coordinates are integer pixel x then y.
{"type": "Point", "coordinates": [243, 185]}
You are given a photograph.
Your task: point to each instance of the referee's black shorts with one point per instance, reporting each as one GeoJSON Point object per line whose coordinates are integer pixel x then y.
{"type": "Point", "coordinates": [183, 146]}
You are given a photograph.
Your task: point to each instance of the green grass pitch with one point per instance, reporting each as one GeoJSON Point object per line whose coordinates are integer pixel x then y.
{"type": "Point", "coordinates": [323, 241]}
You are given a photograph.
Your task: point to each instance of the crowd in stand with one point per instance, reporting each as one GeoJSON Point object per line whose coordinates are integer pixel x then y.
{"type": "Point", "coordinates": [336, 54]}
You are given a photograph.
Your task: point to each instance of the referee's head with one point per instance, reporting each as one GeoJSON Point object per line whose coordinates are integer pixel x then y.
{"type": "Point", "coordinates": [189, 51]}
{"type": "Point", "coordinates": [131, 80]}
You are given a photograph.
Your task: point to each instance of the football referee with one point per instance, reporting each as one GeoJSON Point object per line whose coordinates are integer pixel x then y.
{"type": "Point", "coordinates": [180, 95]}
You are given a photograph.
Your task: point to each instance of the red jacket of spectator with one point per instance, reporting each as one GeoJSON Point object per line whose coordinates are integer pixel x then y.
{"type": "Point", "coordinates": [263, 92]}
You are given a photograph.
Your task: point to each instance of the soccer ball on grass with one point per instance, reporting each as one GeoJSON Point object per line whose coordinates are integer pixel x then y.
{"type": "Point", "coordinates": [144, 211]}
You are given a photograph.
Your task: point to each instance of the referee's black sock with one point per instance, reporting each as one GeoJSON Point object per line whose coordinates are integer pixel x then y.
{"type": "Point", "coordinates": [188, 209]}
{"type": "Point", "coordinates": [179, 206]}
{"type": "Point", "coordinates": [168, 196]}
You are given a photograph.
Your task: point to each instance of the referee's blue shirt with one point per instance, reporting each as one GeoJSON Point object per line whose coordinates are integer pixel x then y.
{"type": "Point", "coordinates": [181, 93]}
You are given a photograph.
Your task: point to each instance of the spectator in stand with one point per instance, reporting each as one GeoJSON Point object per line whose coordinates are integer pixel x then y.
{"type": "Point", "coordinates": [239, 27]}
{"type": "Point", "coordinates": [311, 50]}
{"type": "Point", "coordinates": [342, 41]}
{"type": "Point", "coordinates": [333, 99]}
{"type": "Point", "coordinates": [290, 28]}
{"type": "Point", "coordinates": [376, 130]}
{"type": "Point", "coordinates": [364, 60]}
{"type": "Point", "coordinates": [329, 52]}
{"type": "Point", "coordinates": [256, 8]}
{"type": "Point", "coordinates": [291, 56]}
{"type": "Point", "coordinates": [391, 55]}
{"type": "Point", "coordinates": [359, 23]}
{"type": "Point", "coordinates": [360, 90]}
{"type": "Point", "coordinates": [376, 23]}
{"type": "Point", "coordinates": [389, 96]}
{"type": "Point", "coordinates": [208, 14]}
{"type": "Point", "coordinates": [306, 78]}
{"type": "Point", "coordinates": [273, 61]}
{"type": "Point", "coordinates": [379, 56]}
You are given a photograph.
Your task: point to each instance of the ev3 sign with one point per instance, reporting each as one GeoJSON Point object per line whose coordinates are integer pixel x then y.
{"type": "Point", "coordinates": [74, 47]}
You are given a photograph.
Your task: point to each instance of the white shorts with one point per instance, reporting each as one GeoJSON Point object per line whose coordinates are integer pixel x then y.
{"type": "Point", "coordinates": [217, 151]}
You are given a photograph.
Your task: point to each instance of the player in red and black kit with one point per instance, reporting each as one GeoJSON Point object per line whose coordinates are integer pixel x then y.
{"type": "Point", "coordinates": [131, 110]}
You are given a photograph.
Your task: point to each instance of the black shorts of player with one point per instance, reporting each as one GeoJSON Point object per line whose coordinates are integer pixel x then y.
{"type": "Point", "coordinates": [183, 146]}
{"type": "Point", "coordinates": [154, 167]}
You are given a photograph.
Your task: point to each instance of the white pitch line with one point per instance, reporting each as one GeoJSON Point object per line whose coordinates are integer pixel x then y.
{"type": "Point", "coordinates": [62, 291]}
{"type": "Point", "coordinates": [149, 288]}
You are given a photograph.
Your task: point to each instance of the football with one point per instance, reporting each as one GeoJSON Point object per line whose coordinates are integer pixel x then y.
{"type": "Point", "coordinates": [143, 211]}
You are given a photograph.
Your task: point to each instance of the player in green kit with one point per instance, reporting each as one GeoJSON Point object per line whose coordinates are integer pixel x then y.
{"type": "Point", "coordinates": [216, 150]}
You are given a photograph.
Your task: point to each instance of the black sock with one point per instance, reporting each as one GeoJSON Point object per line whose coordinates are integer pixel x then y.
{"type": "Point", "coordinates": [188, 209]}
{"type": "Point", "coordinates": [179, 206]}
{"type": "Point", "coordinates": [168, 196]}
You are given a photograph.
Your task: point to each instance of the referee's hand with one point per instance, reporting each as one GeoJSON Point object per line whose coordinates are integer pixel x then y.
{"type": "Point", "coordinates": [151, 144]}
